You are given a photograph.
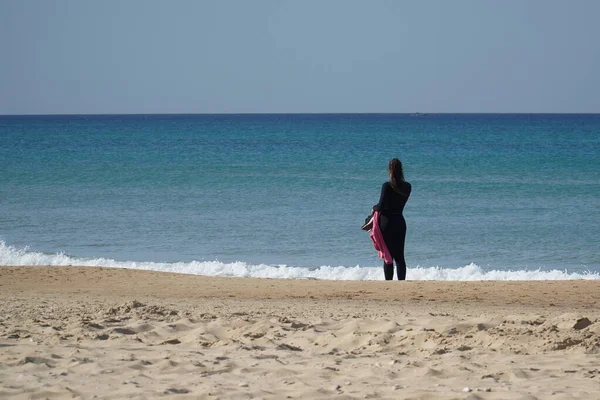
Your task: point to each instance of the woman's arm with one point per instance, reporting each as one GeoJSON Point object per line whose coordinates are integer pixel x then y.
{"type": "Point", "coordinates": [379, 206]}
{"type": "Point", "coordinates": [406, 190]}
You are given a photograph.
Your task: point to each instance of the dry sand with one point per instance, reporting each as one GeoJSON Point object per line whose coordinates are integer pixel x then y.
{"type": "Point", "coordinates": [81, 332]}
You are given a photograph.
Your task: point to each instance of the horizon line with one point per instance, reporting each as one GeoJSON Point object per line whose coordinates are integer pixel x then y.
{"type": "Point", "coordinates": [302, 113]}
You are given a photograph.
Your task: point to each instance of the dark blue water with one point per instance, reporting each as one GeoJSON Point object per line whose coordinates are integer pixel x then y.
{"type": "Point", "coordinates": [503, 192]}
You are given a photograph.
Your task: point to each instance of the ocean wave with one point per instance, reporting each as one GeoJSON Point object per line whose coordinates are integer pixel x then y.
{"type": "Point", "coordinates": [12, 256]}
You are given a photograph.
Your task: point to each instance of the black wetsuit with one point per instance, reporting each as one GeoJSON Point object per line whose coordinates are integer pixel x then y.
{"type": "Point", "coordinates": [391, 203]}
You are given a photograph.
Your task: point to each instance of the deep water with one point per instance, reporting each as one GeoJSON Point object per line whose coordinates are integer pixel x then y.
{"type": "Point", "coordinates": [237, 194]}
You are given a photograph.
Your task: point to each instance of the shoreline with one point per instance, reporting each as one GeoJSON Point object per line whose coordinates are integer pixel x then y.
{"type": "Point", "coordinates": [569, 294]}
{"type": "Point", "coordinates": [95, 332]}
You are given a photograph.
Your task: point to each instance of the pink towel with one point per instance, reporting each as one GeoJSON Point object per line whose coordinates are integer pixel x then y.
{"type": "Point", "coordinates": [378, 242]}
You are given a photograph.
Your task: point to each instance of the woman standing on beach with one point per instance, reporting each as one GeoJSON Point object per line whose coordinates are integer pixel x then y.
{"type": "Point", "coordinates": [394, 195]}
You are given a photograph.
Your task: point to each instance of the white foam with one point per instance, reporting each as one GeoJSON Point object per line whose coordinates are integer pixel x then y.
{"type": "Point", "coordinates": [10, 255]}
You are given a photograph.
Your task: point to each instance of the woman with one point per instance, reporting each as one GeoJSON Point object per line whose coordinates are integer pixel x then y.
{"type": "Point", "coordinates": [394, 195]}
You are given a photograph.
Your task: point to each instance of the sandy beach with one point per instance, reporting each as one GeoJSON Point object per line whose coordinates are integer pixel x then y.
{"type": "Point", "coordinates": [84, 332]}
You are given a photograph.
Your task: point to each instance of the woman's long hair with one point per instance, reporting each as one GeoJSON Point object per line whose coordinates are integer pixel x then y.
{"type": "Point", "coordinates": [396, 173]}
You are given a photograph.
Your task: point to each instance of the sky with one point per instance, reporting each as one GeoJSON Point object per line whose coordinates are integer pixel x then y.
{"type": "Point", "coordinates": [302, 56]}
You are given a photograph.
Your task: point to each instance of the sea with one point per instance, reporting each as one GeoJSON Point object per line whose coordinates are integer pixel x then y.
{"type": "Point", "coordinates": [495, 196]}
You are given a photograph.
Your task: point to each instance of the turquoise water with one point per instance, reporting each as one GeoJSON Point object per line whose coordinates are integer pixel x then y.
{"type": "Point", "coordinates": [493, 195]}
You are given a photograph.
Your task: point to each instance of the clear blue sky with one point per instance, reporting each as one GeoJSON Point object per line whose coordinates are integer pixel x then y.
{"type": "Point", "coordinates": [147, 56]}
